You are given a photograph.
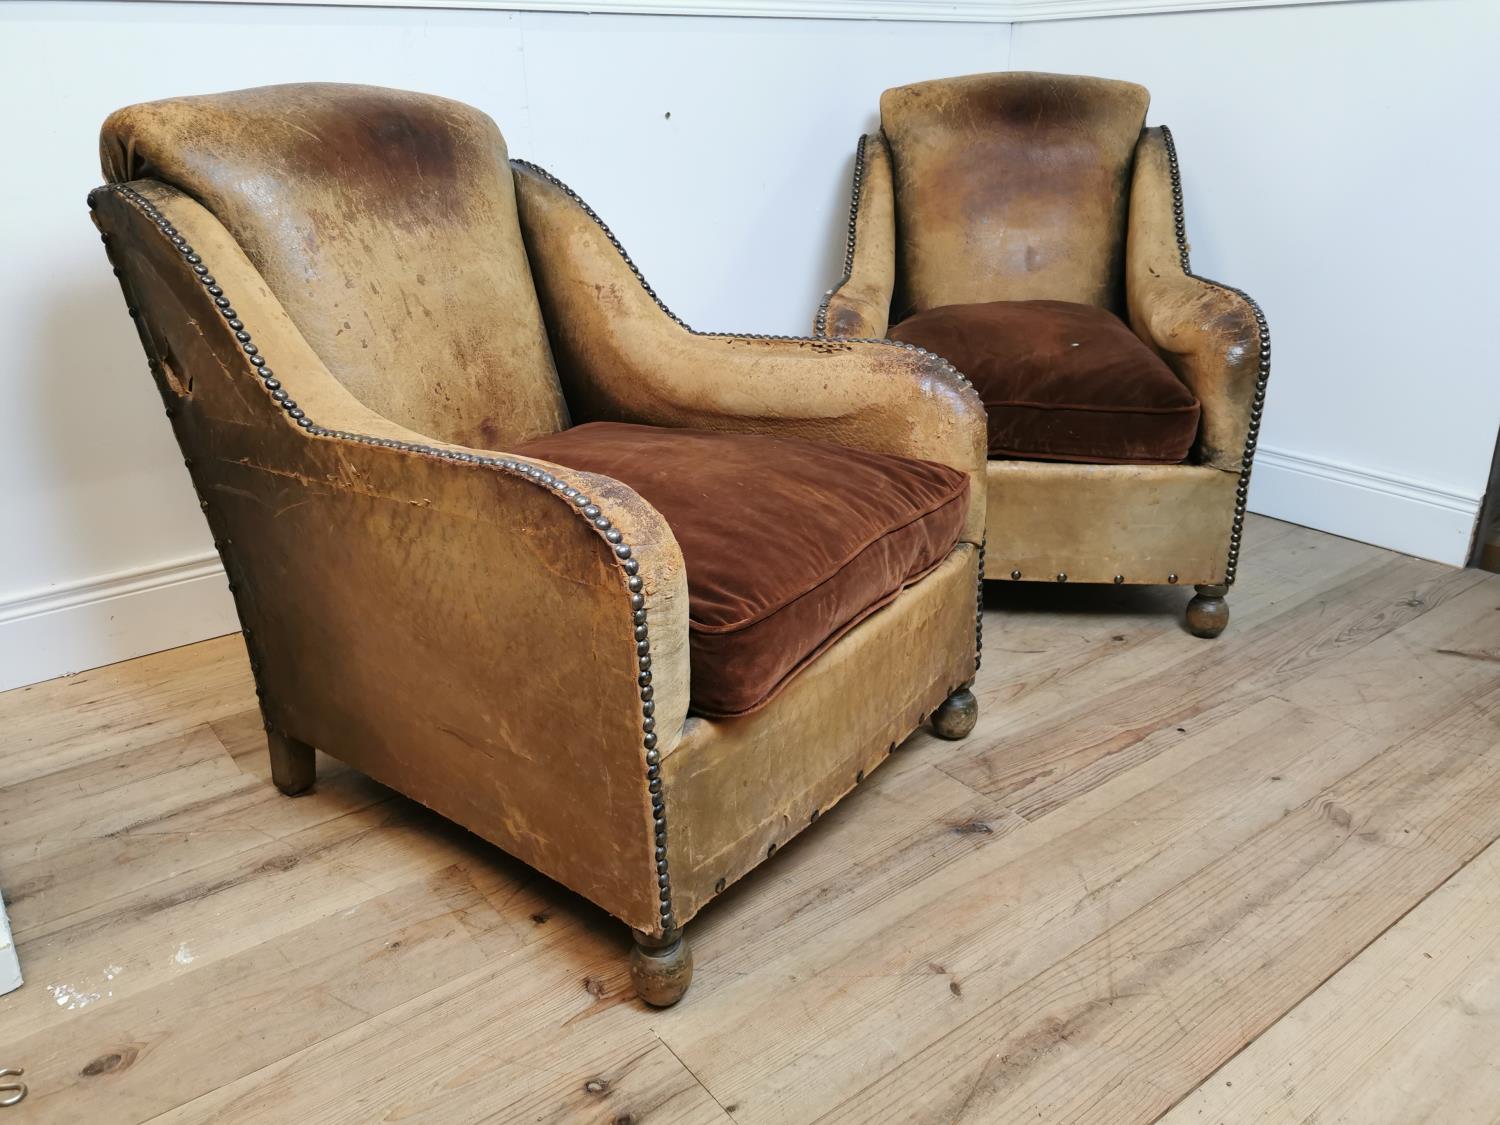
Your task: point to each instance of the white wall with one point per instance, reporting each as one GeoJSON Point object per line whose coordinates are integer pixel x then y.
{"type": "Point", "coordinates": [718, 149]}
{"type": "Point", "coordinates": [1340, 164]}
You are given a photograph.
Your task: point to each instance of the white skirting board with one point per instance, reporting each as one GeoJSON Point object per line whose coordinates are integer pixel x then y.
{"type": "Point", "coordinates": [113, 617]}
{"type": "Point", "coordinates": [89, 624]}
{"type": "Point", "coordinates": [1412, 517]}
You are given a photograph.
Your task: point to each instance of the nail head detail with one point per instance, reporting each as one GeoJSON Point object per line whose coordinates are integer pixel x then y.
{"type": "Point", "coordinates": [591, 511]}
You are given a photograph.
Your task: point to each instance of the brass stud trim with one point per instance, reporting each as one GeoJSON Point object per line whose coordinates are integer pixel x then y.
{"type": "Point", "coordinates": [943, 366]}
{"type": "Point", "coordinates": [979, 609]}
{"type": "Point", "coordinates": [1263, 372]}
{"type": "Point", "coordinates": [577, 502]}
{"type": "Point", "coordinates": [820, 324]}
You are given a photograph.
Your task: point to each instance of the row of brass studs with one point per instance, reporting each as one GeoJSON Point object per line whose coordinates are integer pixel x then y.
{"type": "Point", "coordinates": [1257, 405]}
{"type": "Point", "coordinates": [580, 502]}
{"type": "Point", "coordinates": [821, 324]}
{"type": "Point", "coordinates": [536, 169]}
{"type": "Point", "coordinates": [155, 366]}
{"type": "Point", "coordinates": [1062, 576]}
{"type": "Point", "coordinates": [979, 609]}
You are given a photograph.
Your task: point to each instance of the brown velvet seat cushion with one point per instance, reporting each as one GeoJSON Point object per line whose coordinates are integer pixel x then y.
{"type": "Point", "coordinates": [788, 543]}
{"type": "Point", "coordinates": [1062, 382]}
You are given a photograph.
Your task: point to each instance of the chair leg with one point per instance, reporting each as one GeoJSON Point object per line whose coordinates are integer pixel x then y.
{"type": "Point", "coordinates": [1208, 612]}
{"type": "Point", "coordinates": [956, 715]}
{"type": "Point", "coordinates": [292, 763]}
{"type": "Point", "coordinates": [661, 968]}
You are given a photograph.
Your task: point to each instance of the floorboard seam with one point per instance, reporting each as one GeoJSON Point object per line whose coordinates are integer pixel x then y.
{"type": "Point", "coordinates": [1207, 1078]}
{"type": "Point", "coordinates": [701, 1084]}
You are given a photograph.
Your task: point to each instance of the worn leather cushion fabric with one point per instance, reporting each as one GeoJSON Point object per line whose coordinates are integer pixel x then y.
{"type": "Point", "coordinates": [787, 543]}
{"type": "Point", "coordinates": [1062, 382]}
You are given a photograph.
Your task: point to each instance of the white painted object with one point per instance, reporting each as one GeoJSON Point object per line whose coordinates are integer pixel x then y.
{"type": "Point", "coordinates": [10, 964]}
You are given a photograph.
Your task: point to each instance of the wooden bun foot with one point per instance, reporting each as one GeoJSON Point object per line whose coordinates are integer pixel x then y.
{"type": "Point", "coordinates": [956, 715]}
{"type": "Point", "coordinates": [1208, 612]}
{"type": "Point", "coordinates": [661, 968]}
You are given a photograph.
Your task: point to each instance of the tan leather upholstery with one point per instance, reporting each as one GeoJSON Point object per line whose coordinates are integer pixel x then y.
{"type": "Point", "coordinates": [500, 638]}
{"type": "Point", "coordinates": [839, 720]}
{"type": "Point", "coordinates": [1209, 334]}
{"type": "Point", "coordinates": [1017, 186]}
{"type": "Point", "coordinates": [860, 306]}
{"type": "Point", "coordinates": [1143, 523]}
{"type": "Point", "coordinates": [391, 600]}
{"type": "Point", "coordinates": [1011, 187]}
{"type": "Point", "coordinates": [385, 222]}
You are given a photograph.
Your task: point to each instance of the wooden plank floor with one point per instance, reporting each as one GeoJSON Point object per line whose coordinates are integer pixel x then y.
{"type": "Point", "coordinates": [1252, 879]}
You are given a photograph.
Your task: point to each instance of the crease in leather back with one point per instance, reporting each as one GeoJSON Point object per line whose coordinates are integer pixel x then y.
{"type": "Point", "coordinates": [385, 223]}
{"type": "Point", "coordinates": [1011, 187]}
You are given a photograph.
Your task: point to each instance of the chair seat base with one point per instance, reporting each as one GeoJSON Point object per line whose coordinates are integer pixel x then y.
{"type": "Point", "coordinates": [1121, 524]}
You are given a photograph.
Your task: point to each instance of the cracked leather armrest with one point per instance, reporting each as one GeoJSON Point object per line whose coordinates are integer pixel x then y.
{"type": "Point", "coordinates": [1213, 336]}
{"type": "Point", "coordinates": [622, 357]}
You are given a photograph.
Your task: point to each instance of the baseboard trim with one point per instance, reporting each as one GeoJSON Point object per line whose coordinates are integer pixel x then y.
{"type": "Point", "coordinates": [113, 617]}
{"type": "Point", "coordinates": [1410, 516]}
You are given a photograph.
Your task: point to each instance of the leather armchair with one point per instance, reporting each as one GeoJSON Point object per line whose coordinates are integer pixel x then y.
{"type": "Point", "coordinates": [360, 318]}
{"type": "Point", "coordinates": [1028, 199]}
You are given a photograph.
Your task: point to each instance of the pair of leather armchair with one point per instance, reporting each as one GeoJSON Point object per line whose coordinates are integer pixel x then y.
{"type": "Point", "coordinates": [633, 602]}
{"type": "Point", "coordinates": [638, 603]}
{"type": "Point", "coordinates": [1029, 228]}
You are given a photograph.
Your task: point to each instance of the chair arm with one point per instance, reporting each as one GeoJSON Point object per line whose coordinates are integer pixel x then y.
{"type": "Point", "coordinates": [624, 357]}
{"type": "Point", "coordinates": [859, 306]}
{"type": "Point", "coordinates": [500, 638]}
{"type": "Point", "coordinates": [1213, 336]}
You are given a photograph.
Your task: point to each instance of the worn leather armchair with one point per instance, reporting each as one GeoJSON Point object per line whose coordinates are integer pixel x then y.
{"type": "Point", "coordinates": [1016, 224]}
{"type": "Point", "coordinates": [634, 602]}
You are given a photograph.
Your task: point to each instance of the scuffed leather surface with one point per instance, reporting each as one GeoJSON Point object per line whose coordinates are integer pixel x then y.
{"type": "Point", "coordinates": [385, 223]}
{"type": "Point", "coordinates": [457, 631]}
{"type": "Point", "coordinates": [755, 782]}
{"type": "Point", "coordinates": [1062, 381]}
{"type": "Point", "coordinates": [621, 359]}
{"type": "Point", "coordinates": [1092, 522]}
{"type": "Point", "coordinates": [860, 308]}
{"type": "Point", "coordinates": [731, 498]}
{"type": "Point", "coordinates": [1011, 187]}
{"type": "Point", "coordinates": [1209, 335]}
{"type": "Point", "coordinates": [460, 634]}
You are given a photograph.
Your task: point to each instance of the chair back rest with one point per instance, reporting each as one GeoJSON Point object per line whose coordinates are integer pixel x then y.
{"type": "Point", "coordinates": [385, 223]}
{"type": "Point", "coordinates": [1011, 187]}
